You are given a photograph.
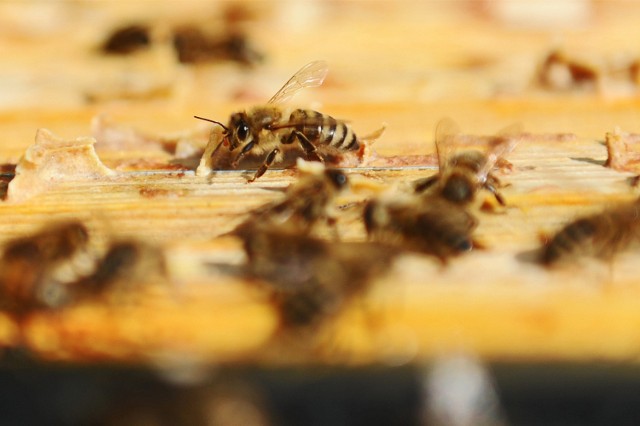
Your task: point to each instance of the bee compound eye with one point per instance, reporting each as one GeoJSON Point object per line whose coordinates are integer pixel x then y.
{"type": "Point", "coordinates": [242, 132]}
{"type": "Point", "coordinates": [338, 178]}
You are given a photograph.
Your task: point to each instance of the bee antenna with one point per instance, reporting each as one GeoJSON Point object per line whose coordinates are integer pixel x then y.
{"type": "Point", "coordinates": [226, 129]}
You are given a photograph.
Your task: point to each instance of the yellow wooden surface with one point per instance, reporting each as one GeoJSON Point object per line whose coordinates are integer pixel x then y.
{"type": "Point", "coordinates": [403, 63]}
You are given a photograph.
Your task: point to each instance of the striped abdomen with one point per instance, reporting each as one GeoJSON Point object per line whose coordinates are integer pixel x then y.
{"type": "Point", "coordinates": [322, 129]}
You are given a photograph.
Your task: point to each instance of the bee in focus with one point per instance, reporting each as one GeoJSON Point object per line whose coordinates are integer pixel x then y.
{"type": "Point", "coordinates": [462, 173]}
{"type": "Point", "coordinates": [600, 235]}
{"type": "Point", "coordinates": [56, 267]}
{"type": "Point", "coordinates": [306, 202]}
{"type": "Point", "coordinates": [270, 130]}
{"type": "Point", "coordinates": [437, 227]}
{"type": "Point", "coordinates": [308, 278]}
{"type": "Point", "coordinates": [37, 271]}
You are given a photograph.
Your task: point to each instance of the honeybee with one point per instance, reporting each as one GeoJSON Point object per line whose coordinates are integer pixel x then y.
{"type": "Point", "coordinates": [125, 262]}
{"type": "Point", "coordinates": [601, 235]}
{"type": "Point", "coordinates": [269, 130]}
{"type": "Point", "coordinates": [56, 267]}
{"type": "Point", "coordinates": [36, 271]}
{"type": "Point", "coordinates": [306, 202]}
{"type": "Point", "coordinates": [309, 278]}
{"type": "Point", "coordinates": [437, 228]}
{"type": "Point", "coordinates": [462, 174]}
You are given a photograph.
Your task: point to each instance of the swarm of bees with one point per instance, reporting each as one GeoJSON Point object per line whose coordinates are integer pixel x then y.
{"type": "Point", "coordinates": [270, 130]}
{"type": "Point", "coordinates": [57, 266]}
{"type": "Point", "coordinates": [309, 277]}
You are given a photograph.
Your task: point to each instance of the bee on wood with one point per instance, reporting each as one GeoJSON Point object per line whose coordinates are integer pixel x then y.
{"type": "Point", "coordinates": [124, 263]}
{"type": "Point", "coordinates": [56, 267]}
{"type": "Point", "coordinates": [600, 235]}
{"type": "Point", "coordinates": [127, 40]}
{"type": "Point", "coordinates": [305, 203]}
{"type": "Point", "coordinates": [308, 278]}
{"type": "Point", "coordinates": [192, 45]}
{"type": "Point", "coordinates": [438, 227]}
{"type": "Point", "coordinates": [37, 271]}
{"type": "Point", "coordinates": [270, 130]}
{"type": "Point", "coordinates": [462, 174]}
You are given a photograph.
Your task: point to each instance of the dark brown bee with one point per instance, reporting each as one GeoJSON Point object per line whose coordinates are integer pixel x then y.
{"type": "Point", "coordinates": [462, 174]}
{"type": "Point", "coordinates": [36, 271]}
{"type": "Point", "coordinates": [124, 263]}
{"type": "Point", "coordinates": [309, 278]}
{"type": "Point", "coordinates": [127, 40]}
{"type": "Point", "coordinates": [55, 267]}
{"type": "Point", "coordinates": [306, 202]}
{"type": "Point", "coordinates": [436, 227]}
{"type": "Point", "coordinates": [269, 130]}
{"type": "Point", "coordinates": [600, 235]}
{"type": "Point", "coordinates": [192, 45]}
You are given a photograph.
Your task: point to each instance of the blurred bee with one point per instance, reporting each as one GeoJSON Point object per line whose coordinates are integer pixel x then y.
{"type": "Point", "coordinates": [437, 228]}
{"type": "Point", "coordinates": [308, 278]}
{"type": "Point", "coordinates": [125, 262]}
{"type": "Point", "coordinates": [269, 130]}
{"type": "Point", "coordinates": [55, 267]}
{"type": "Point", "coordinates": [462, 174]}
{"type": "Point", "coordinates": [600, 235]}
{"type": "Point", "coordinates": [37, 271]}
{"type": "Point", "coordinates": [306, 202]}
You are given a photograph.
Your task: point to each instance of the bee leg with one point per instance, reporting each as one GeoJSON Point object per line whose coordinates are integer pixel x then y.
{"type": "Point", "coordinates": [242, 153]}
{"type": "Point", "coordinates": [489, 187]}
{"type": "Point", "coordinates": [308, 148]}
{"type": "Point", "coordinates": [267, 162]}
{"type": "Point", "coordinates": [422, 185]}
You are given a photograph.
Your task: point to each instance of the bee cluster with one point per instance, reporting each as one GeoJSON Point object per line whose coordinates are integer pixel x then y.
{"type": "Point", "coordinates": [307, 275]}
{"type": "Point", "coordinates": [190, 42]}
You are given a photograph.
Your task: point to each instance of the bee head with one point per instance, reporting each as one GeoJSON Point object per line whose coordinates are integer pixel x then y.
{"type": "Point", "coordinates": [458, 188]}
{"type": "Point", "coordinates": [239, 132]}
{"type": "Point", "coordinates": [225, 133]}
{"type": "Point", "coordinates": [337, 178]}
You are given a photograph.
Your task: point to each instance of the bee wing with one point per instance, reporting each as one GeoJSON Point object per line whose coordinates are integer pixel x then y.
{"type": "Point", "coordinates": [501, 145]}
{"type": "Point", "coordinates": [446, 132]}
{"type": "Point", "coordinates": [311, 75]}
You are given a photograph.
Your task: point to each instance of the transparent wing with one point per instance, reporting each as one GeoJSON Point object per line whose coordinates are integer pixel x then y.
{"type": "Point", "coordinates": [502, 144]}
{"type": "Point", "coordinates": [446, 132]}
{"type": "Point", "coordinates": [311, 75]}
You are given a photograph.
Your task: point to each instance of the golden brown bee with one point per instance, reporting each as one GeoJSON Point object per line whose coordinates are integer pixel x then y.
{"type": "Point", "coordinates": [600, 235]}
{"type": "Point", "coordinates": [269, 130]}
{"type": "Point", "coordinates": [306, 202]}
{"type": "Point", "coordinates": [36, 271]}
{"type": "Point", "coordinates": [462, 174]}
{"type": "Point", "coordinates": [437, 227]}
{"type": "Point", "coordinates": [309, 278]}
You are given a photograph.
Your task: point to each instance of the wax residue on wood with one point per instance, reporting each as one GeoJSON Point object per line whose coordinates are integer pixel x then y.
{"type": "Point", "coordinates": [51, 160]}
{"type": "Point", "coordinates": [623, 151]}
